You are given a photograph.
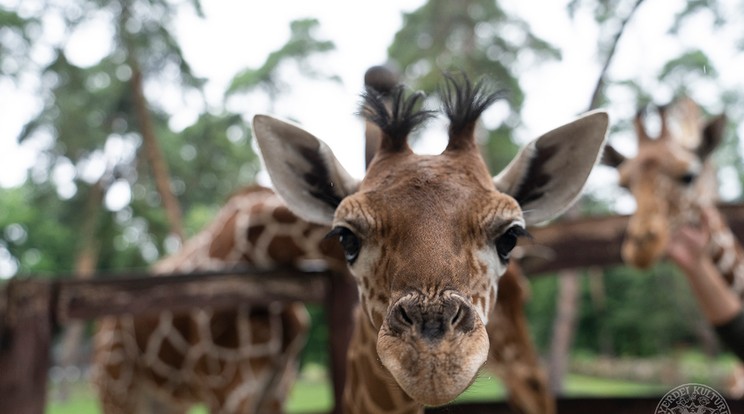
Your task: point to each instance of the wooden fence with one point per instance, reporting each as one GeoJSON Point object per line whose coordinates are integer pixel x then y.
{"type": "Point", "coordinates": [32, 309]}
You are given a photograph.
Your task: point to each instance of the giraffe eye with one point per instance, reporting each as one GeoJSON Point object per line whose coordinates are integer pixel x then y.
{"type": "Point", "coordinates": [349, 242]}
{"type": "Point", "coordinates": [687, 178]}
{"type": "Point", "coordinates": [507, 241]}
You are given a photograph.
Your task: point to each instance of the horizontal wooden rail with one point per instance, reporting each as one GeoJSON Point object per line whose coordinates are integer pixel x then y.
{"type": "Point", "coordinates": [591, 241]}
{"type": "Point", "coordinates": [142, 294]}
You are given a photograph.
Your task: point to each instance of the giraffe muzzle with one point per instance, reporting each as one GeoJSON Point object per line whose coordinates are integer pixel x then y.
{"type": "Point", "coordinates": [433, 347]}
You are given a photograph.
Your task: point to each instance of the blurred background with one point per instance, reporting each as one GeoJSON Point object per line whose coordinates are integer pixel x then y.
{"type": "Point", "coordinates": [87, 86]}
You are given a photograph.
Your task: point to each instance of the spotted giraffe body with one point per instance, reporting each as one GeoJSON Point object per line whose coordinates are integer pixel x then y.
{"type": "Point", "coordinates": [233, 361]}
{"type": "Point", "coordinates": [726, 252]}
{"type": "Point", "coordinates": [673, 181]}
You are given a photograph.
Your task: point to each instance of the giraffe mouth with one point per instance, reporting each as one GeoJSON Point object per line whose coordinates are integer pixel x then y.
{"type": "Point", "coordinates": [646, 240]}
{"type": "Point", "coordinates": [434, 373]}
{"type": "Point", "coordinates": [643, 251]}
{"type": "Point", "coordinates": [433, 350]}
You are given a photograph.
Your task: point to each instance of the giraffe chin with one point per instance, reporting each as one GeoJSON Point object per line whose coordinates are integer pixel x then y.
{"type": "Point", "coordinates": [434, 373]}
{"type": "Point", "coordinates": [641, 257]}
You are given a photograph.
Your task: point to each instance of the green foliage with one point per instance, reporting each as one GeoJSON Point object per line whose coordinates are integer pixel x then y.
{"type": "Point", "coordinates": [694, 8]}
{"type": "Point", "coordinates": [83, 106]}
{"type": "Point", "coordinates": [91, 131]}
{"type": "Point", "coordinates": [316, 350]}
{"type": "Point", "coordinates": [499, 149]}
{"type": "Point", "coordinates": [683, 69]}
{"type": "Point", "coordinates": [16, 36]}
{"type": "Point", "coordinates": [212, 155]}
{"type": "Point", "coordinates": [635, 319]}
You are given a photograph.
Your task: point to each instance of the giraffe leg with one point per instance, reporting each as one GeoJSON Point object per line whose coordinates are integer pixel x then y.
{"type": "Point", "coordinates": [512, 353]}
{"type": "Point", "coordinates": [112, 403]}
{"type": "Point", "coordinates": [296, 324]}
{"type": "Point", "coordinates": [369, 388]}
{"type": "Point", "coordinates": [262, 382]}
{"type": "Point", "coordinates": [113, 375]}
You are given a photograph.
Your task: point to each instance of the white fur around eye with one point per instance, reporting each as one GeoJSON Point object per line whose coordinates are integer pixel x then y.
{"type": "Point", "coordinates": [495, 268]}
{"type": "Point", "coordinates": [366, 265]}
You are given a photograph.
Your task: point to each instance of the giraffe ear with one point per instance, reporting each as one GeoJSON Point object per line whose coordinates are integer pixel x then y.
{"type": "Point", "coordinates": [548, 174]}
{"type": "Point", "coordinates": [303, 169]}
{"type": "Point", "coordinates": [612, 157]}
{"type": "Point", "coordinates": [712, 136]}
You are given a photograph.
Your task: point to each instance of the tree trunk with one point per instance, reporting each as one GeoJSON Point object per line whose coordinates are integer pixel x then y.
{"type": "Point", "coordinates": [564, 327]}
{"type": "Point", "coordinates": [152, 150]}
{"type": "Point", "coordinates": [599, 302]}
{"type": "Point", "coordinates": [601, 79]}
{"type": "Point", "coordinates": [154, 155]}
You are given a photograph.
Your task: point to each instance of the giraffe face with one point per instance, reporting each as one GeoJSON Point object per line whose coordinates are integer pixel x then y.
{"type": "Point", "coordinates": [669, 178]}
{"type": "Point", "coordinates": [663, 179]}
{"type": "Point", "coordinates": [427, 237]}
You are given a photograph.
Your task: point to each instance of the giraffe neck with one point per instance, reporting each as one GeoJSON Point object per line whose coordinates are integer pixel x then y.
{"type": "Point", "coordinates": [723, 248]}
{"type": "Point", "coordinates": [726, 252]}
{"type": "Point", "coordinates": [256, 228]}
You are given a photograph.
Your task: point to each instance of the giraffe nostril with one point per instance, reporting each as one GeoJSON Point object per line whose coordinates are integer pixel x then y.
{"type": "Point", "coordinates": [457, 317]}
{"type": "Point", "coordinates": [404, 316]}
{"type": "Point", "coordinates": [402, 319]}
{"type": "Point", "coordinates": [464, 318]}
{"type": "Point", "coordinates": [431, 321]}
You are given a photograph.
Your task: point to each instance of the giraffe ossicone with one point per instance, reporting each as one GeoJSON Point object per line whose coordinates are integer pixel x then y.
{"type": "Point", "coordinates": [427, 237]}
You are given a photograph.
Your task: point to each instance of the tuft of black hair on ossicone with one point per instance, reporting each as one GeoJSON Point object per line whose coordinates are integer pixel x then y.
{"type": "Point", "coordinates": [405, 115]}
{"type": "Point", "coordinates": [464, 102]}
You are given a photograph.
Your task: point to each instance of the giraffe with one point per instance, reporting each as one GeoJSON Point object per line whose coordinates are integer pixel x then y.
{"type": "Point", "coordinates": [512, 354]}
{"type": "Point", "coordinates": [673, 181]}
{"type": "Point", "coordinates": [234, 361]}
{"type": "Point", "coordinates": [426, 237]}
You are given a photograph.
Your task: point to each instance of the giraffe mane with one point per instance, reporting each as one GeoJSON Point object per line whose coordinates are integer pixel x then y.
{"type": "Point", "coordinates": [463, 103]}
{"type": "Point", "coordinates": [404, 116]}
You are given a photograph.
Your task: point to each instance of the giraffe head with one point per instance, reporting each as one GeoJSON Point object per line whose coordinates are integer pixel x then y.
{"type": "Point", "coordinates": [428, 236]}
{"type": "Point", "coordinates": [669, 177]}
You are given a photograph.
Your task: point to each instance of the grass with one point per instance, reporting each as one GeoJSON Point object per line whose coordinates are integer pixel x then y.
{"type": "Point", "coordinates": [584, 385]}
{"type": "Point", "coordinates": [312, 393]}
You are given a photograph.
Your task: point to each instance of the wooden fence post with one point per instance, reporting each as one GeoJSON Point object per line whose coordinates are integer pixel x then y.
{"type": "Point", "coordinates": [25, 339]}
{"type": "Point", "coordinates": [340, 302]}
